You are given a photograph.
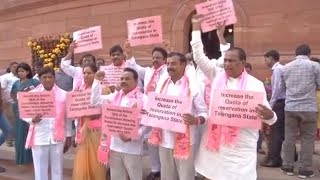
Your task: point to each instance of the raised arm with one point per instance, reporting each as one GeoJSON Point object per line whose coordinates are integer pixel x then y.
{"type": "Point", "coordinates": [96, 98]}
{"type": "Point", "coordinates": [209, 68]}
{"type": "Point", "coordinates": [66, 63]}
{"type": "Point", "coordinates": [131, 61]}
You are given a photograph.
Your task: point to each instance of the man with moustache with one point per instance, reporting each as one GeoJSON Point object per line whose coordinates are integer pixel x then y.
{"type": "Point", "coordinates": [151, 78]}
{"type": "Point", "coordinates": [232, 153]}
{"type": "Point", "coordinates": [125, 153]}
{"type": "Point", "coordinates": [176, 150]}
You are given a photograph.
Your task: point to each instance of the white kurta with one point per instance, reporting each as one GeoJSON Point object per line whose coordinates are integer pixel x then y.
{"type": "Point", "coordinates": [229, 163]}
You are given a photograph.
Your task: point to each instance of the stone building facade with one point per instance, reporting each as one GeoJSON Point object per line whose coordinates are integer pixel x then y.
{"type": "Point", "coordinates": [262, 25]}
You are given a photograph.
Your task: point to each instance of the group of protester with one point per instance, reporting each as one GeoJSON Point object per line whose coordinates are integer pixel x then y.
{"type": "Point", "coordinates": [230, 155]}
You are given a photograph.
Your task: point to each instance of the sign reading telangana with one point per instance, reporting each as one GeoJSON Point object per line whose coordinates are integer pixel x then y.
{"type": "Point", "coordinates": [216, 11]}
{"type": "Point", "coordinates": [236, 108]}
{"type": "Point", "coordinates": [144, 31]}
{"type": "Point", "coordinates": [121, 120]}
{"type": "Point", "coordinates": [112, 75]}
{"type": "Point", "coordinates": [33, 103]}
{"type": "Point", "coordinates": [88, 39]}
{"type": "Point", "coordinates": [166, 112]}
{"type": "Point", "coordinates": [78, 104]}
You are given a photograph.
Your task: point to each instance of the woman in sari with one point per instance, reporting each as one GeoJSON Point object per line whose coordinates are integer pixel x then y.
{"type": "Point", "coordinates": [24, 84]}
{"type": "Point", "coordinates": [86, 165]}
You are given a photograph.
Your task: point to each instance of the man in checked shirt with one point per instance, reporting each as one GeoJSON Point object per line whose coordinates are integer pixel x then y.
{"type": "Point", "coordinates": [300, 78]}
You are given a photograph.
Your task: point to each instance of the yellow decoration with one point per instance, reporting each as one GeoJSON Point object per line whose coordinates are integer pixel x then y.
{"type": "Point", "coordinates": [49, 58]}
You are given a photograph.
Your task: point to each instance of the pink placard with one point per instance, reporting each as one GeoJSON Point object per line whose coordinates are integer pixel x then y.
{"type": "Point", "coordinates": [88, 39]}
{"type": "Point", "coordinates": [236, 108]}
{"type": "Point", "coordinates": [166, 112]}
{"type": "Point", "coordinates": [78, 104]}
{"type": "Point", "coordinates": [34, 103]}
{"type": "Point", "coordinates": [144, 31]}
{"type": "Point", "coordinates": [121, 120]}
{"type": "Point", "coordinates": [112, 74]}
{"type": "Point", "coordinates": [216, 11]}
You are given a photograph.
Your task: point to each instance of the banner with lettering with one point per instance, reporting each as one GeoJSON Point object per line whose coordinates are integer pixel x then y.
{"type": "Point", "coordinates": [88, 39]}
{"type": "Point", "coordinates": [121, 120]}
{"type": "Point", "coordinates": [78, 104]}
{"type": "Point", "coordinates": [144, 31]}
{"type": "Point", "coordinates": [112, 74]}
{"type": "Point", "coordinates": [33, 103]}
{"type": "Point", "coordinates": [236, 108]}
{"type": "Point", "coordinates": [166, 112]}
{"type": "Point", "coordinates": [216, 11]}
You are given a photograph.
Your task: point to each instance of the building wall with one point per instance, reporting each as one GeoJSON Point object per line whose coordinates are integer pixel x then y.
{"type": "Point", "coordinates": [262, 25]}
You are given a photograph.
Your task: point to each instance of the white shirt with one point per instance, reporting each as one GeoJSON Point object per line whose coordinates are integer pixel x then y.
{"type": "Point", "coordinates": [200, 76]}
{"type": "Point", "coordinates": [7, 81]}
{"type": "Point", "coordinates": [43, 130]}
{"type": "Point", "coordinates": [132, 147]}
{"type": "Point", "coordinates": [199, 108]}
{"type": "Point", "coordinates": [229, 163]}
{"type": "Point", "coordinates": [36, 77]}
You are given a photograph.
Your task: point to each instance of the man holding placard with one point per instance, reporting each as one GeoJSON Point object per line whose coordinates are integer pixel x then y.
{"type": "Point", "coordinates": [49, 137]}
{"type": "Point", "coordinates": [125, 152]}
{"type": "Point", "coordinates": [228, 147]}
{"type": "Point", "coordinates": [176, 149]}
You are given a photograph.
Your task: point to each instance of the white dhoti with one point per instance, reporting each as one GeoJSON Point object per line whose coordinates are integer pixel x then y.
{"type": "Point", "coordinates": [42, 154]}
{"type": "Point", "coordinates": [237, 163]}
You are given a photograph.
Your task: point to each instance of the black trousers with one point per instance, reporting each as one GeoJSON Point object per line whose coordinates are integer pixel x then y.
{"type": "Point", "coordinates": [277, 131]}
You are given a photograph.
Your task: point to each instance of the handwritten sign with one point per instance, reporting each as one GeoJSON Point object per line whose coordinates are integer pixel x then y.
{"type": "Point", "coordinates": [78, 104]}
{"type": "Point", "coordinates": [121, 120]}
{"type": "Point", "coordinates": [34, 103]}
{"type": "Point", "coordinates": [166, 112]}
{"type": "Point", "coordinates": [144, 31]}
{"type": "Point", "coordinates": [88, 39]}
{"type": "Point", "coordinates": [112, 74]}
{"type": "Point", "coordinates": [236, 108]}
{"type": "Point", "coordinates": [216, 11]}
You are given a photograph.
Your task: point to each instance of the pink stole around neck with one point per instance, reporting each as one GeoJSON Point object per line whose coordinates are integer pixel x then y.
{"type": "Point", "coordinates": [219, 134]}
{"type": "Point", "coordinates": [151, 87]}
{"type": "Point", "coordinates": [60, 119]}
{"type": "Point", "coordinates": [135, 100]}
{"type": "Point", "coordinates": [182, 143]}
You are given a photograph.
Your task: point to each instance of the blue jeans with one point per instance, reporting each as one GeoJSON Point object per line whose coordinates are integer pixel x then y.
{"type": "Point", "coordinates": [5, 128]}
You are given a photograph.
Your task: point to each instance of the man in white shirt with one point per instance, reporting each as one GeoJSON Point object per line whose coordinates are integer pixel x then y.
{"type": "Point", "coordinates": [125, 153]}
{"type": "Point", "coordinates": [233, 160]}
{"type": "Point", "coordinates": [49, 138]}
{"type": "Point", "coordinates": [179, 84]}
{"type": "Point", "coordinates": [151, 78]}
{"type": "Point", "coordinates": [7, 81]}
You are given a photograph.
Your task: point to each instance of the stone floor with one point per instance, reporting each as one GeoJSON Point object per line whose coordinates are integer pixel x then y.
{"type": "Point", "coordinates": [26, 173]}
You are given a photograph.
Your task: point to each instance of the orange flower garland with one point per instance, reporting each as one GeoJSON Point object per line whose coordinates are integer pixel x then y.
{"type": "Point", "coordinates": [49, 50]}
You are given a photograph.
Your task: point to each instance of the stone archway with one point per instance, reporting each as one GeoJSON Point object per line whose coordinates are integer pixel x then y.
{"type": "Point", "coordinates": [180, 24]}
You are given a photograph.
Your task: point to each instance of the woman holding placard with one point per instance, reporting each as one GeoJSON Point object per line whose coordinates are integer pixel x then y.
{"type": "Point", "coordinates": [25, 83]}
{"type": "Point", "coordinates": [86, 165]}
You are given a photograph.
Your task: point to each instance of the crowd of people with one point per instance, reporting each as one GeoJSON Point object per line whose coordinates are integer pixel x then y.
{"type": "Point", "coordinates": [231, 154]}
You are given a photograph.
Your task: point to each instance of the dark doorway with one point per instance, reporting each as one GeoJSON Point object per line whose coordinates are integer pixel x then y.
{"type": "Point", "coordinates": [211, 42]}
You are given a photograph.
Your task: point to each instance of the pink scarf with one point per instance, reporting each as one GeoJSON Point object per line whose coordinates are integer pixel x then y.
{"type": "Point", "coordinates": [135, 100]}
{"type": "Point", "coordinates": [207, 92]}
{"type": "Point", "coordinates": [59, 125]}
{"type": "Point", "coordinates": [84, 123]}
{"type": "Point", "coordinates": [218, 134]}
{"type": "Point", "coordinates": [182, 145]}
{"type": "Point", "coordinates": [151, 87]}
